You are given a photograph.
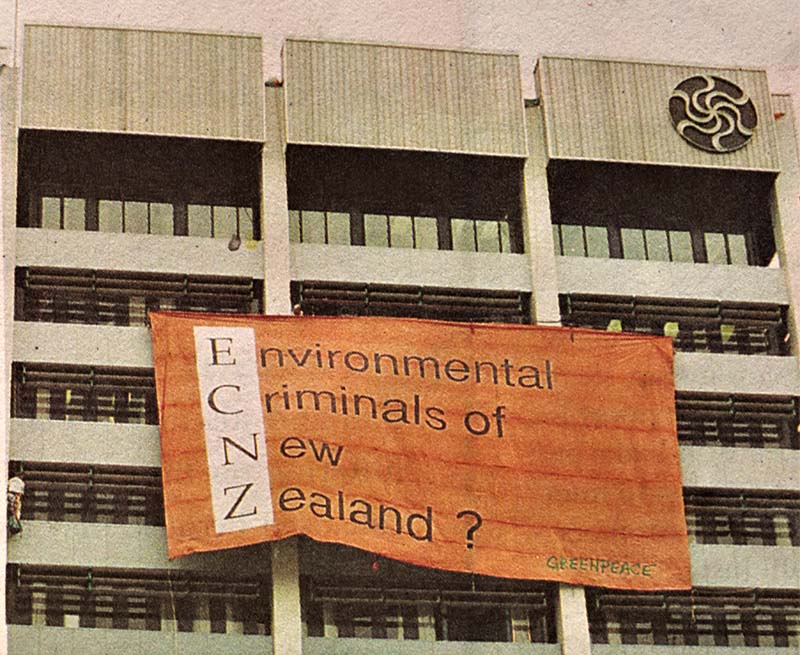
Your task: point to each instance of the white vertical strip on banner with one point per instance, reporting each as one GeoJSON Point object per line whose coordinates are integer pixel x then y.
{"type": "Point", "coordinates": [234, 427]}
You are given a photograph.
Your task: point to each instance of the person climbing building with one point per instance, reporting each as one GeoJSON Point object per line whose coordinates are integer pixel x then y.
{"type": "Point", "coordinates": [16, 490]}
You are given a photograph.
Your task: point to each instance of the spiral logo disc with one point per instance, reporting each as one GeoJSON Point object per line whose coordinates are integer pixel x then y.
{"type": "Point", "coordinates": [712, 113]}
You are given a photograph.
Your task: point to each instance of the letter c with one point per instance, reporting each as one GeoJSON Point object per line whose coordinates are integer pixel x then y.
{"type": "Point", "coordinates": [212, 398]}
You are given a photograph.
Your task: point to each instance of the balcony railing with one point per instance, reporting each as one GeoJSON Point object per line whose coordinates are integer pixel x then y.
{"type": "Point", "coordinates": [84, 393]}
{"type": "Point", "coordinates": [741, 421]}
{"type": "Point", "coordinates": [701, 617]}
{"type": "Point", "coordinates": [57, 295]}
{"type": "Point", "coordinates": [172, 601]}
{"type": "Point", "coordinates": [353, 299]}
{"type": "Point", "coordinates": [694, 325]}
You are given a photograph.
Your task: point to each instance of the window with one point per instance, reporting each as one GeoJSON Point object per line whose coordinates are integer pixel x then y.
{"type": "Point", "coordinates": [63, 213]}
{"type": "Point", "coordinates": [146, 217]}
{"type": "Point", "coordinates": [726, 248]}
{"type": "Point", "coordinates": [220, 221]}
{"type": "Point", "coordinates": [580, 240]}
{"type": "Point", "coordinates": [650, 244]}
{"type": "Point", "coordinates": [381, 230]}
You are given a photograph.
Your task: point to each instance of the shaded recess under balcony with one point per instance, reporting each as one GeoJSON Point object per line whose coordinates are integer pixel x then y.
{"type": "Point", "coordinates": [661, 213]}
{"type": "Point", "coordinates": [380, 598]}
{"type": "Point", "coordinates": [119, 183]}
{"type": "Point", "coordinates": [434, 201]}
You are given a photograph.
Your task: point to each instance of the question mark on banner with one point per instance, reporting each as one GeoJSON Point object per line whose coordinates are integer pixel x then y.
{"type": "Point", "coordinates": [472, 529]}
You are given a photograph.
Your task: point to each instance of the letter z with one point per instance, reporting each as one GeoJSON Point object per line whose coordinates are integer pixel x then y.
{"type": "Point", "coordinates": [245, 488]}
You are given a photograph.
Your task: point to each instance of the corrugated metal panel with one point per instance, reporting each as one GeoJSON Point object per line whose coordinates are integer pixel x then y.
{"type": "Point", "coordinates": [618, 111]}
{"type": "Point", "coordinates": [179, 84]}
{"type": "Point", "coordinates": [378, 96]}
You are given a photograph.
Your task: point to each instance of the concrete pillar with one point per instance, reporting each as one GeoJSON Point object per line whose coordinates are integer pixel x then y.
{"type": "Point", "coordinates": [8, 221]}
{"type": "Point", "coordinates": [287, 624]}
{"type": "Point", "coordinates": [572, 621]}
{"type": "Point", "coordinates": [537, 228]}
{"type": "Point", "coordinates": [786, 211]}
{"type": "Point", "coordinates": [274, 207]}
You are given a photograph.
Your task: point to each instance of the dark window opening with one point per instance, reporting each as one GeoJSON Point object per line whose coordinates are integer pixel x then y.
{"type": "Point", "coordinates": [660, 213]}
{"type": "Point", "coordinates": [139, 185]}
{"type": "Point", "coordinates": [423, 201]}
{"type": "Point", "coordinates": [386, 599]}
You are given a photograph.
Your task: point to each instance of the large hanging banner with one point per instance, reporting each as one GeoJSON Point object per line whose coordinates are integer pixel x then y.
{"type": "Point", "coordinates": [513, 451]}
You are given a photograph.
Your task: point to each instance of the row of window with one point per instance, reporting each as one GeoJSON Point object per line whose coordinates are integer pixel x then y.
{"type": "Point", "coordinates": [651, 244]}
{"type": "Point", "coordinates": [133, 496]}
{"type": "Point", "coordinates": [393, 231]}
{"type": "Point", "coordinates": [142, 217]}
{"type": "Point", "coordinates": [120, 395]}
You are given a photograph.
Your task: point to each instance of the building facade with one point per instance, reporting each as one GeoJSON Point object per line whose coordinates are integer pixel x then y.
{"type": "Point", "coordinates": [146, 170]}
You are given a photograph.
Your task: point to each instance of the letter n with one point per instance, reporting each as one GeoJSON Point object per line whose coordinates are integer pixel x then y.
{"type": "Point", "coordinates": [227, 441]}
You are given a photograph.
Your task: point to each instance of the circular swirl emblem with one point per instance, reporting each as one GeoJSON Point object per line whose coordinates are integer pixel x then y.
{"type": "Point", "coordinates": [712, 113]}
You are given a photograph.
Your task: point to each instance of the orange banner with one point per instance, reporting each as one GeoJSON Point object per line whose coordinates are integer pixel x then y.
{"type": "Point", "coordinates": [513, 451]}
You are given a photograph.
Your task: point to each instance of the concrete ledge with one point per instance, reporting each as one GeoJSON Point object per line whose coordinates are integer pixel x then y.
{"type": "Point", "coordinates": [724, 373]}
{"type": "Point", "coordinates": [609, 649]}
{"type": "Point", "coordinates": [100, 345]}
{"type": "Point", "coordinates": [740, 468]}
{"type": "Point", "coordinates": [84, 442]}
{"type": "Point", "coordinates": [122, 546]}
{"type": "Point", "coordinates": [46, 640]}
{"type": "Point", "coordinates": [333, 646]}
{"type": "Point", "coordinates": [435, 268]}
{"type": "Point", "coordinates": [626, 277]}
{"type": "Point", "coordinates": [137, 252]}
{"type": "Point", "coordinates": [770, 567]}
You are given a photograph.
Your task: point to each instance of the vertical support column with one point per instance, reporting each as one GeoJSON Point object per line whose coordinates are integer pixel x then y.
{"type": "Point", "coordinates": [287, 624]}
{"type": "Point", "coordinates": [8, 212]}
{"type": "Point", "coordinates": [786, 211]}
{"type": "Point", "coordinates": [537, 228]}
{"type": "Point", "coordinates": [275, 208]}
{"type": "Point", "coordinates": [572, 621]}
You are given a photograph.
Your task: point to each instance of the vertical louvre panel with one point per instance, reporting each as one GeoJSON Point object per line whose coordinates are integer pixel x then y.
{"type": "Point", "coordinates": [403, 97]}
{"type": "Point", "coordinates": [618, 111]}
{"type": "Point", "coordinates": [115, 80]}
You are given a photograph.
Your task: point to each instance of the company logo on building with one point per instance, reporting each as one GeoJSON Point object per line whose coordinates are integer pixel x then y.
{"type": "Point", "coordinates": [712, 113]}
